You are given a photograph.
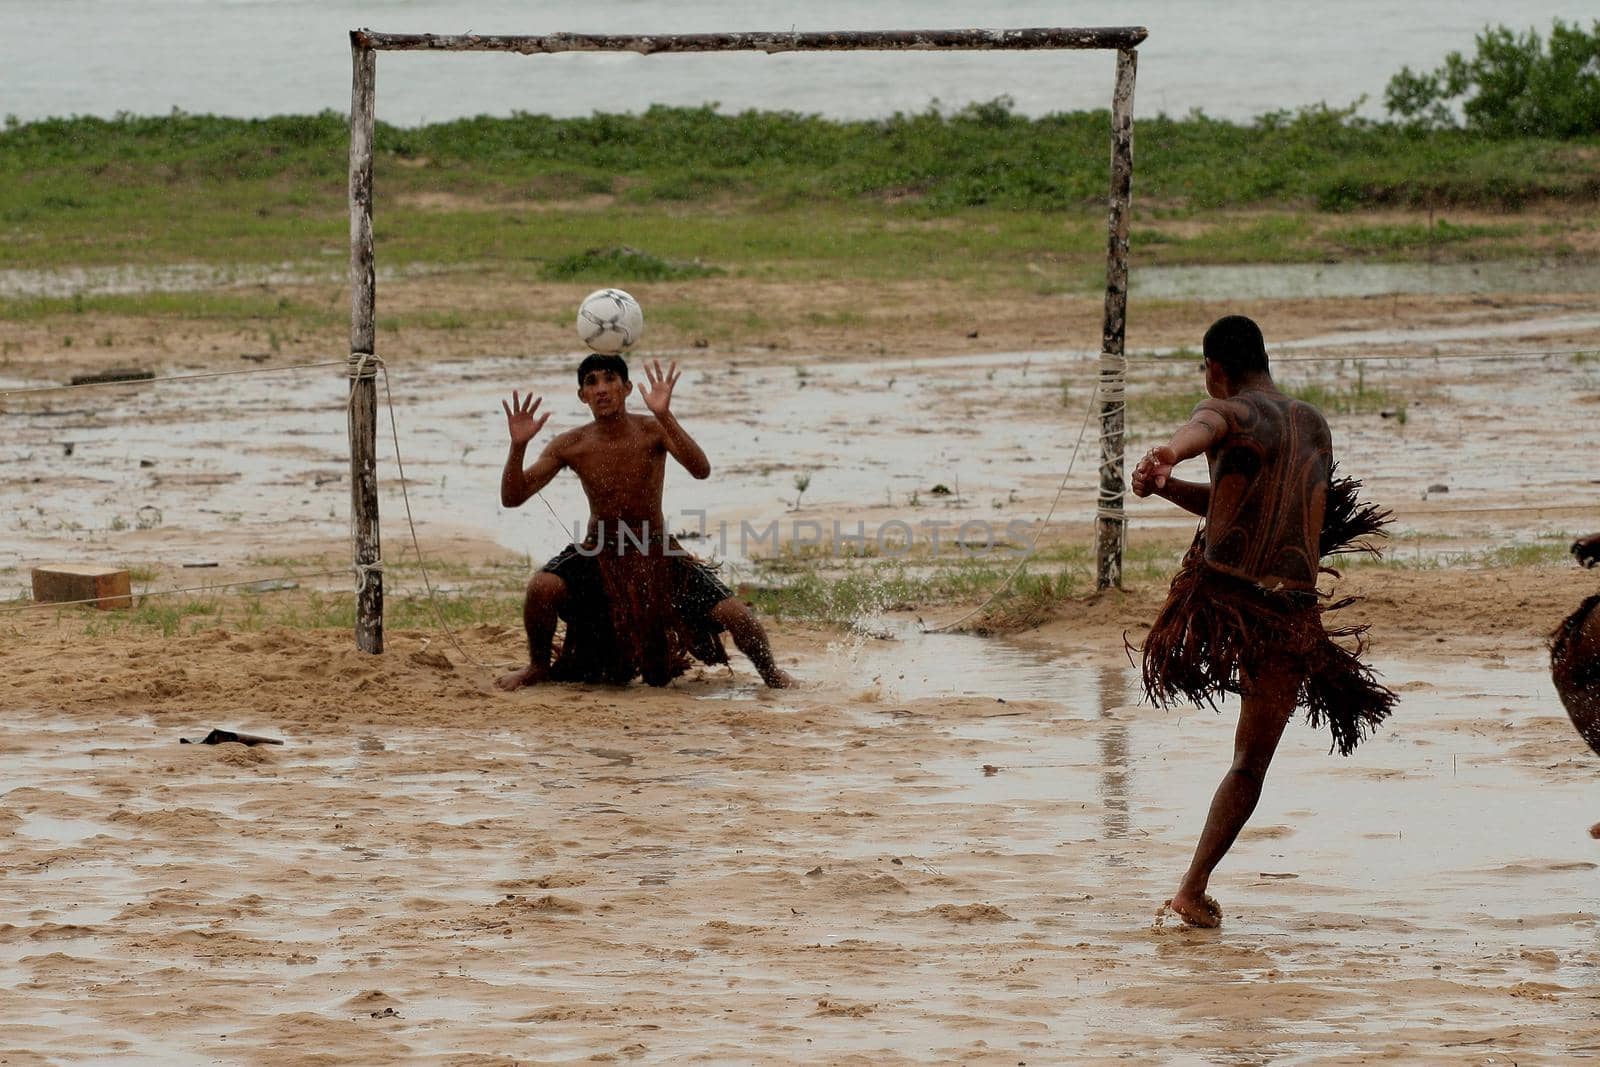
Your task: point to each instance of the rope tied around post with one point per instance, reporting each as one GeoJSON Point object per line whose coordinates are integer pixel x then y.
{"type": "Point", "coordinates": [363, 366]}
{"type": "Point", "coordinates": [366, 556]}
{"type": "Point", "coordinates": [1113, 399]}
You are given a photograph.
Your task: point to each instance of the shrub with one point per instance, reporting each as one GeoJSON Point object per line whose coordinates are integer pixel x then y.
{"type": "Point", "coordinates": [1517, 86]}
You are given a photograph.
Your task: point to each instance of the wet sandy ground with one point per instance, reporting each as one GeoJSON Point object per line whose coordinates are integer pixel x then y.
{"type": "Point", "coordinates": [959, 861]}
{"type": "Point", "coordinates": [944, 849]}
{"type": "Point", "coordinates": [175, 473]}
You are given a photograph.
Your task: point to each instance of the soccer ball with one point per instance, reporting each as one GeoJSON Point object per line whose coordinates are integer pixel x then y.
{"type": "Point", "coordinates": [610, 321]}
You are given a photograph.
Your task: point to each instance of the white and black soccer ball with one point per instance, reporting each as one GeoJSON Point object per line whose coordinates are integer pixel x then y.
{"type": "Point", "coordinates": [610, 321]}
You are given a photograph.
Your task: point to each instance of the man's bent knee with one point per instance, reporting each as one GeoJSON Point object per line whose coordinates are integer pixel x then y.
{"type": "Point", "coordinates": [730, 612]}
{"type": "Point", "coordinates": [546, 588]}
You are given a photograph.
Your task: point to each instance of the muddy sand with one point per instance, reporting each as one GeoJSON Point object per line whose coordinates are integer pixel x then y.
{"type": "Point", "coordinates": [941, 848]}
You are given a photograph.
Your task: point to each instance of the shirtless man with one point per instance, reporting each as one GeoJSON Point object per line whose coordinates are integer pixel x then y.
{"type": "Point", "coordinates": [1575, 658]}
{"type": "Point", "coordinates": [1243, 615]}
{"type": "Point", "coordinates": [633, 600]}
{"type": "Point", "coordinates": [1586, 550]}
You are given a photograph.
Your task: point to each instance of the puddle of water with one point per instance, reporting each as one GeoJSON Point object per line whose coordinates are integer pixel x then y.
{"type": "Point", "coordinates": [1414, 807]}
{"type": "Point", "coordinates": [173, 449]}
{"type": "Point", "coordinates": [1254, 281]}
{"type": "Point", "coordinates": [167, 456]}
{"type": "Point", "coordinates": [910, 664]}
{"type": "Point", "coordinates": [1305, 280]}
{"type": "Point", "coordinates": [79, 1034]}
{"type": "Point", "coordinates": [1433, 831]}
{"type": "Point", "coordinates": [62, 831]}
{"type": "Point", "coordinates": [1442, 335]}
{"type": "Point", "coordinates": [180, 278]}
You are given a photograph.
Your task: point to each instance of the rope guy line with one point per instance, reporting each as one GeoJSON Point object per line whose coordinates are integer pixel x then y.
{"type": "Point", "coordinates": [405, 496]}
{"type": "Point", "coordinates": [212, 587]}
{"type": "Point", "coordinates": [1088, 410]}
{"type": "Point", "coordinates": [169, 378]}
{"type": "Point", "coordinates": [1365, 357]}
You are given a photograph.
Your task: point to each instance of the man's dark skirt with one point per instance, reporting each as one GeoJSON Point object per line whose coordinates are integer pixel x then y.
{"type": "Point", "coordinates": [1216, 632]}
{"type": "Point", "coordinates": [635, 613]}
{"type": "Point", "coordinates": [1575, 668]}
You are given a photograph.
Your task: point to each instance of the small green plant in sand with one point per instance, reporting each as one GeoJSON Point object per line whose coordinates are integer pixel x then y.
{"type": "Point", "coordinates": [841, 591]}
{"type": "Point", "coordinates": [849, 590]}
{"type": "Point", "coordinates": [802, 482]}
{"type": "Point", "coordinates": [169, 616]}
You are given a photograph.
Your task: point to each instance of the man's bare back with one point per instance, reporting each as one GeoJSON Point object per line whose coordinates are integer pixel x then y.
{"type": "Point", "coordinates": [1269, 484]}
{"type": "Point", "coordinates": [1242, 615]}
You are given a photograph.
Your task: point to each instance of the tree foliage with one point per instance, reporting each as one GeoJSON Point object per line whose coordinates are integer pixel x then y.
{"type": "Point", "coordinates": [1515, 85]}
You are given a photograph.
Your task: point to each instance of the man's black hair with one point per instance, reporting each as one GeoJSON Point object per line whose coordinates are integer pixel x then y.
{"type": "Point", "coordinates": [595, 361]}
{"type": "Point", "coordinates": [1235, 344]}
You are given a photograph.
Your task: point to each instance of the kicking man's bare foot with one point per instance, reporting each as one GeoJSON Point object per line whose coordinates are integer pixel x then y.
{"type": "Point", "coordinates": [529, 675]}
{"type": "Point", "coordinates": [1201, 911]}
{"type": "Point", "coordinates": [778, 678]}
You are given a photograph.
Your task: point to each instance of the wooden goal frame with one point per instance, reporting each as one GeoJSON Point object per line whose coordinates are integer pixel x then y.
{"type": "Point", "coordinates": [1110, 521]}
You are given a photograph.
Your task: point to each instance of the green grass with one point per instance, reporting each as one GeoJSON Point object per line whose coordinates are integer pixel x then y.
{"type": "Point", "coordinates": [1139, 561]}
{"type": "Point", "coordinates": [1274, 239]}
{"type": "Point", "coordinates": [336, 611]}
{"type": "Point", "coordinates": [847, 594]}
{"type": "Point", "coordinates": [1395, 240]}
{"type": "Point", "coordinates": [1348, 398]}
{"type": "Point", "coordinates": [1309, 236]}
{"type": "Point", "coordinates": [839, 590]}
{"type": "Point", "coordinates": [167, 616]}
{"type": "Point", "coordinates": [832, 591]}
{"type": "Point", "coordinates": [687, 190]}
{"type": "Point", "coordinates": [217, 306]}
{"type": "Point", "coordinates": [1160, 406]}
{"type": "Point", "coordinates": [600, 264]}
{"type": "Point", "coordinates": [312, 611]}
{"type": "Point", "coordinates": [1418, 550]}
{"type": "Point", "coordinates": [1524, 555]}
{"type": "Point", "coordinates": [478, 592]}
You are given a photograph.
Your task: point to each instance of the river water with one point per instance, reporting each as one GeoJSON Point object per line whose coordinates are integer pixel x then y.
{"type": "Point", "coordinates": [263, 57]}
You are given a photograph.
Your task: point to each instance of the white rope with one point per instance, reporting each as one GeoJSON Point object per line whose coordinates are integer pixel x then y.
{"type": "Point", "coordinates": [163, 592]}
{"type": "Point", "coordinates": [1401, 516]}
{"type": "Point", "coordinates": [170, 378]}
{"type": "Point", "coordinates": [1037, 533]}
{"type": "Point", "coordinates": [559, 524]}
{"type": "Point", "coordinates": [1509, 354]}
{"type": "Point", "coordinates": [1113, 393]}
{"type": "Point", "coordinates": [405, 496]}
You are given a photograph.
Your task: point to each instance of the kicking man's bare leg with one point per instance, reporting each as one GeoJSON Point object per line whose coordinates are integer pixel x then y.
{"type": "Point", "coordinates": [735, 616]}
{"type": "Point", "coordinates": [545, 594]}
{"type": "Point", "coordinates": [1264, 712]}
